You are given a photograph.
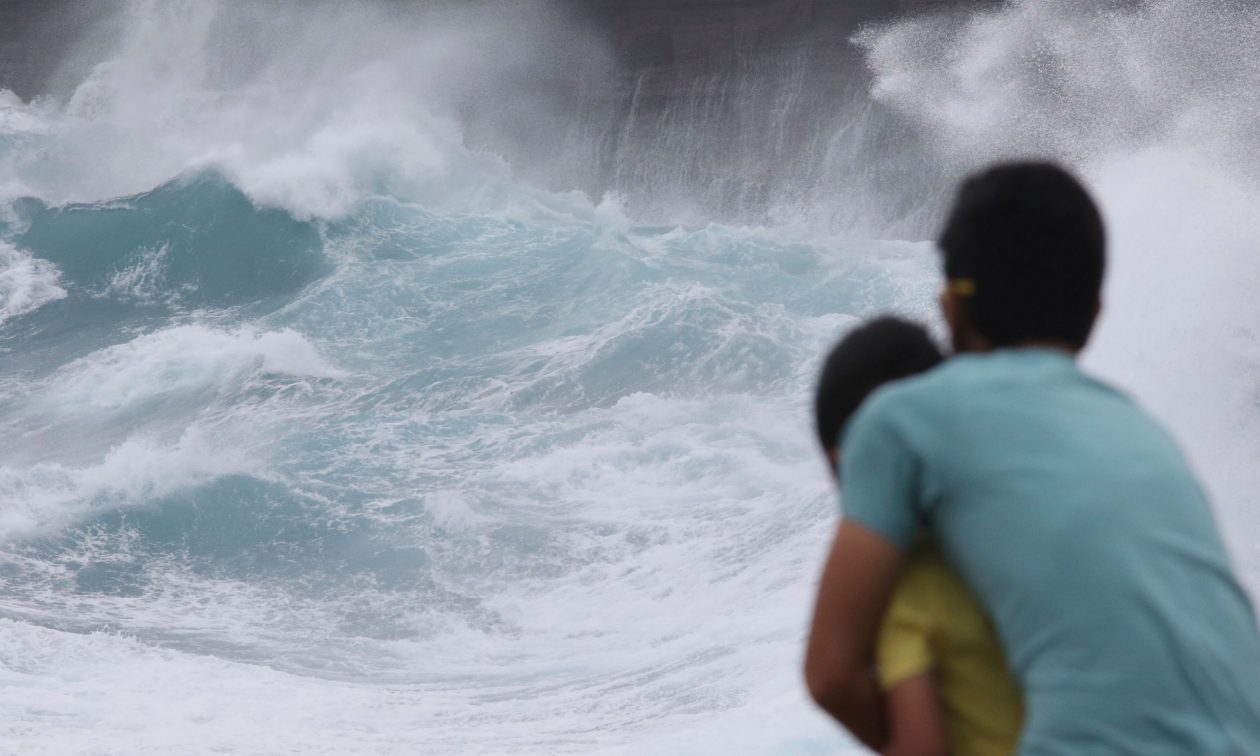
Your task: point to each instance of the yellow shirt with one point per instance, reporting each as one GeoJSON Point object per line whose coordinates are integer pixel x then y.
{"type": "Point", "coordinates": [934, 624]}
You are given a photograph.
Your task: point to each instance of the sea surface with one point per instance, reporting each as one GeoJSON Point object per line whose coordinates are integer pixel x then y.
{"type": "Point", "coordinates": [323, 433]}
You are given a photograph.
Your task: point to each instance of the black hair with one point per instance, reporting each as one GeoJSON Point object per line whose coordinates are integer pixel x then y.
{"type": "Point", "coordinates": [1025, 247]}
{"type": "Point", "coordinates": [874, 353]}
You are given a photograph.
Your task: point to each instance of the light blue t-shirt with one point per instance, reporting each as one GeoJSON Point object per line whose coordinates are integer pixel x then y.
{"type": "Point", "coordinates": [1077, 521]}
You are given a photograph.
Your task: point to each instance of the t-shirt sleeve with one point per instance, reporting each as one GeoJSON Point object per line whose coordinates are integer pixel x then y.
{"type": "Point", "coordinates": [903, 648]}
{"type": "Point", "coordinates": [880, 475]}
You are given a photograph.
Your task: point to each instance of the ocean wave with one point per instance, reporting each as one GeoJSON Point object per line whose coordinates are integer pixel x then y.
{"type": "Point", "coordinates": [194, 242]}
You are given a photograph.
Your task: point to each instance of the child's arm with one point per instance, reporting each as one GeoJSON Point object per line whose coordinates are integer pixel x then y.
{"type": "Point", "coordinates": [915, 723]}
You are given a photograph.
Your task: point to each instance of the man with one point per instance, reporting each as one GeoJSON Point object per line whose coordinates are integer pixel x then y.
{"type": "Point", "coordinates": [1068, 511]}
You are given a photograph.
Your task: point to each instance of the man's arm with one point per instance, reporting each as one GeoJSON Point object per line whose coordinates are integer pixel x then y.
{"type": "Point", "coordinates": [856, 584]}
{"type": "Point", "coordinates": [916, 723]}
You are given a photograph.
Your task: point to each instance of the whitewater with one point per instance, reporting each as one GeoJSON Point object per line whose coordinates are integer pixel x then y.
{"type": "Point", "coordinates": [323, 432]}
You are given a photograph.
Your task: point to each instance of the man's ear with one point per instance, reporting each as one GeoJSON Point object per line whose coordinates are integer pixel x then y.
{"type": "Point", "coordinates": [963, 335]}
{"type": "Point", "coordinates": [952, 310]}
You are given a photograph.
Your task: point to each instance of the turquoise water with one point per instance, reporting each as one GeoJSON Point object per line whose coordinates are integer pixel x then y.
{"type": "Point", "coordinates": [553, 473]}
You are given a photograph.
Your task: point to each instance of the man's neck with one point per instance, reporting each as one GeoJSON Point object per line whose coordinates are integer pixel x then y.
{"type": "Point", "coordinates": [1069, 349]}
{"type": "Point", "coordinates": [981, 346]}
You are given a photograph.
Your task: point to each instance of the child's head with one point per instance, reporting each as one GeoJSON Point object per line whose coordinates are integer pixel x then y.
{"type": "Point", "coordinates": [874, 353]}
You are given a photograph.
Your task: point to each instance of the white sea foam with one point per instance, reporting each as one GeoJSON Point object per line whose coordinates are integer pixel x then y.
{"type": "Point", "coordinates": [77, 451]}
{"type": "Point", "coordinates": [13, 115]}
{"type": "Point", "coordinates": [181, 361]}
{"type": "Point", "coordinates": [143, 279]}
{"type": "Point", "coordinates": [41, 498]}
{"type": "Point", "coordinates": [102, 683]}
{"type": "Point", "coordinates": [139, 697]}
{"type": "Point", "coordinates": [26, 283]}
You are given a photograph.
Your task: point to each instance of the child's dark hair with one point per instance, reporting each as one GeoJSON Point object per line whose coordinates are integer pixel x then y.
{"type": "Point", "coordinates": [1025, 246]}
{"type": "Point", "coordinates": [874, 353]}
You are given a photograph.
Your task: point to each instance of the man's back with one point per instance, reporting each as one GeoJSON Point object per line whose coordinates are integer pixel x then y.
{"type": "Point", "coordinates": [1076, 520]}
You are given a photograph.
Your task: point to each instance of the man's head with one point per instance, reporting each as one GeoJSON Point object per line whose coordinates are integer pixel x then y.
{"type": "Point", "coordinates": [1024, 251]}
{"type": "Point", "coordinates": [879, 351]}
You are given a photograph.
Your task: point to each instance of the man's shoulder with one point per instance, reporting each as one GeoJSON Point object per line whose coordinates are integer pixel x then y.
{"type": "Point", "coordinates": [973, 378]}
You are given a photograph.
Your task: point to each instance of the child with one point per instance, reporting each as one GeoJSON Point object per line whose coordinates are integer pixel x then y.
{"type": "Point", "coordinates": [938, 660]}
